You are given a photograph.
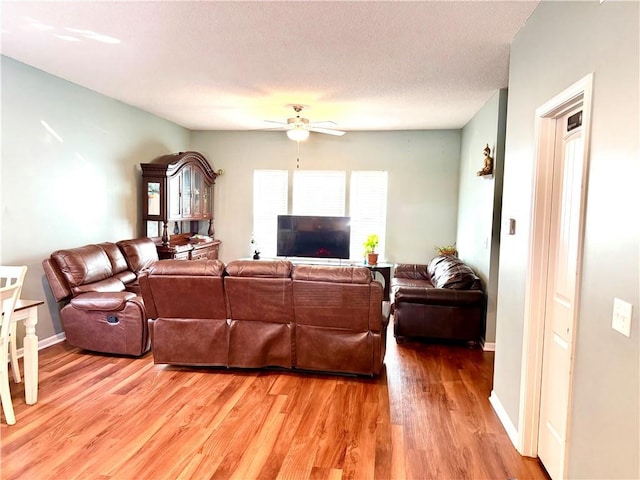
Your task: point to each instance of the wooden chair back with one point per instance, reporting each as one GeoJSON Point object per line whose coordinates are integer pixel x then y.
{"type": "Point", "coordinates": [11, 280]}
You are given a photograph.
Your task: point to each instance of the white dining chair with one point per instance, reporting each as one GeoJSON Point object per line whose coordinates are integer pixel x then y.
{"type": "Point", "coordinates": [11, 280]}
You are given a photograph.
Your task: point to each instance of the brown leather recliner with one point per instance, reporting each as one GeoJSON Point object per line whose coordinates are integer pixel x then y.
{"type": "Point", "coordinates": [260, 304]}
{"type": "Point", "coordinates": [442, 300]}
{"type": "Point", "coordinates": [341, 323]}
{"type": "Point", "coordinates": [187, 312]}
{"type": "Point", "coordinates": [102, 311]}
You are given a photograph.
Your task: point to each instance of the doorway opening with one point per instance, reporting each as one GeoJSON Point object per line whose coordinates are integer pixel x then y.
{"type": "Point", "coordinates": [559, 180]}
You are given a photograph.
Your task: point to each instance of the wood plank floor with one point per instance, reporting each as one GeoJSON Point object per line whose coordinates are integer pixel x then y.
{"type": "Point", "coordinates": [104, 417]}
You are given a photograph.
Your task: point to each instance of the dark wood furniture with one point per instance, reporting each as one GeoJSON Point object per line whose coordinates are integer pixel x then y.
{"type": "Point", "coordinates": [177, 195]}
{"type": "Point", "coordinates": [184, 247]}
{"type": "Point", "coordinates": [385, 271]}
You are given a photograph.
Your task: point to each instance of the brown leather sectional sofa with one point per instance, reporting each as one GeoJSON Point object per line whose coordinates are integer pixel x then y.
{"type": "Point", "coordinates": [441, 300]}
{"type": "Point", "coordinates": [98, 283]}
{"type": "Point", "coordinates": [254, 314]}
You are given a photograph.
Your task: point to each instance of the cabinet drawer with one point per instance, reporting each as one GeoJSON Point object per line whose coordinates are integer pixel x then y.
{"type": "Point", "coordinates": [200, 254]}
{"type": "Point", "coordinates": [181, 256]}
{"type": "Point", "coordinates": [209, 252]}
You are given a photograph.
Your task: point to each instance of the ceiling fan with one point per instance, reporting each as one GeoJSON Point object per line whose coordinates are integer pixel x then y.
{"type": "Point", "coordinates": [298, 128]}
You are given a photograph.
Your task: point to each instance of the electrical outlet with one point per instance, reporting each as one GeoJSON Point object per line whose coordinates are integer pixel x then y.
{"type": "Point", "coordinates": [622, 316]}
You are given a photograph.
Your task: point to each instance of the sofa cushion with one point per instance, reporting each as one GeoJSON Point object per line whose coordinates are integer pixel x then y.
{"type": "Point", "coordinates": [447, 271]}
{"type": "Point", "coordinates": [265, 269]}
{"type": "Point", "coordinates": [323, 273]}
{"type": "Point", "coordinates": [198, 268]}
{"type": "Point", "coordinates": [108, 285]}
{"type": "Point", "coordinates": [140, 253]}
{"type": "Point", "coordinates": [118, 262]}
{"type": "Point", "coordinates": [184, 289]}
{"type": "Point", "coordinates": [411, 271]}
{"type": "Point", "coordinates": [83, 265]}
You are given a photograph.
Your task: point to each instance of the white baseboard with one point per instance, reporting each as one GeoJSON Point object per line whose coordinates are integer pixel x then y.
{"type": "Point", "coordinates": [510, 428]}
{"type": "Point", "coordinates": [45, 342]}
{"type": "Point", "coordinates": [489, 347]}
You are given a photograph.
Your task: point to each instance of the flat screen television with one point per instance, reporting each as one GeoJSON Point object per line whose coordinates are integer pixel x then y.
{"type": "Point", "coordinates": [313, 236]}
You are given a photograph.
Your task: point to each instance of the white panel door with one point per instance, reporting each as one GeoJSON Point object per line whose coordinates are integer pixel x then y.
{"type": "Point", "coordinates": [564, 243]}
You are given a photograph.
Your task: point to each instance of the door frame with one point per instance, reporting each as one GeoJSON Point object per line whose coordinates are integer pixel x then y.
{"type": "Point", "coordinates": [538, 263]}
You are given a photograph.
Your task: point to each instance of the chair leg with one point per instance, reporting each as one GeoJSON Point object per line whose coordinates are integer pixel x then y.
{"type": "Point", "coordinates": [13, 354]}
{"type": "Point", "coordinates": [5, 395]}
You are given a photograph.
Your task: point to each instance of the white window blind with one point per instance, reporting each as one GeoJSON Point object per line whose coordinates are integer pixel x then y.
{"type": "Point", "coordinates": [318, 193]}
{"type": "Point", "coordinates": [270, 194]}
{"type": "Point", "coordinates": [368, 210]}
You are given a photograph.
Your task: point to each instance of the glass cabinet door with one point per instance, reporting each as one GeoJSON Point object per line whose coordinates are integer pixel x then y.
{"type": "Point", "coordinates": [206, 201]}
{"type": "Point", "coordinates": [197, 193]}
{"type": "Point", "coordinates": [175, 192]}
{"type": "Point", "coordinates": [153, 199]}
{"type": "Point", "coordinates": [187, 193]}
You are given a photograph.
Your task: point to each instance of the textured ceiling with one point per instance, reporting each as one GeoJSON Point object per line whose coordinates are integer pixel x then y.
{"type": "Point", "coordinates": [232, 65]}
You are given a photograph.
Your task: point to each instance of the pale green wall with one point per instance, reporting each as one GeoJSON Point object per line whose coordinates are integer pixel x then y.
{"type": "Point", "coordinates": [83, 189]}
{"type": "Point", "coordinates": [560, 44]}
{"type": "Point", "coordinates": [423, 171]}
{"type": "Point", "coordinates": [480, 199]}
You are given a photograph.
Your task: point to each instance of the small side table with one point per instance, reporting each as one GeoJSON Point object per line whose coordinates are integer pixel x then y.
{"type": "Point", "coordinates": [385, 271]}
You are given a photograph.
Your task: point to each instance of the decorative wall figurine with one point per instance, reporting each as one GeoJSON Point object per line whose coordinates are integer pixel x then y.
{"type": "Point", "coordinates": [488, 163]}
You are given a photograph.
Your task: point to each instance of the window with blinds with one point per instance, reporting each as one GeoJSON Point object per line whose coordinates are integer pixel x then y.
{"type": "Point", "coordinates": [368, 210]}
{"type": "Point", "coordinates": [270, 199]}
{"type": "Point", "coordinates": [320, 193]}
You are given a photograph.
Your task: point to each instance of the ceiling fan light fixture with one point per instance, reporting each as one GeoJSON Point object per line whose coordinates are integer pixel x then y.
{"type": "Point", "coordinates": [298, 134]}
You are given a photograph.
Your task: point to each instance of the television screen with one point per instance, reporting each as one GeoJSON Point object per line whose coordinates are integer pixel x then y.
{"type": "Point", "coordinates": [315, 237]}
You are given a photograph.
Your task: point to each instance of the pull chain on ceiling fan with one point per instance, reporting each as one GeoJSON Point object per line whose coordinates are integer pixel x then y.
{"type": "Point", "coordinates": [298, 127]}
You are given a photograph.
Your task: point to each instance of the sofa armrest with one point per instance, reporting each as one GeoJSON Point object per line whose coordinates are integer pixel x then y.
{"type": "Point", "coordinates": [379, 310]}
{"type": "Point", "coordinates": [57, 282]}
{"type": "Point", "coordinates": [437, 296]}
{"type": "Point", "coordinates": [102, 301]}
{"type": "Point", "coordinates": [386, 315]}
{"type": "Point", "coordinates": [413, 271]}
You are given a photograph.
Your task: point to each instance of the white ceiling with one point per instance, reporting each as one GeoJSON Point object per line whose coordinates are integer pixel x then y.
{"type": "Point", "coordinates": [231, 65]}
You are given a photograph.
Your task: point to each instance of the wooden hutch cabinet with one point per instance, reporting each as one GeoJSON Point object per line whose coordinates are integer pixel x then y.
{"type": "Point", "coordinates": [177, 195]}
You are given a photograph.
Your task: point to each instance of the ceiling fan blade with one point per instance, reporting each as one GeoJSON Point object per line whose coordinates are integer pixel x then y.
{"type": "Point", "coordinates": [284, 124]}
{"type": "Point", "coordinates": [329, 131]}
{"type": "Point", "coordinates": [269, 129]}
{"type": "Point", "coordinates": [323, 123]}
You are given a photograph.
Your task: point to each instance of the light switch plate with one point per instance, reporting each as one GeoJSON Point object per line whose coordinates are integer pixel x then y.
{"type": "Point", "coordinates": [622, 316]}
